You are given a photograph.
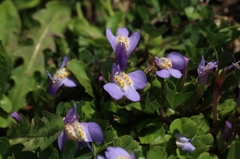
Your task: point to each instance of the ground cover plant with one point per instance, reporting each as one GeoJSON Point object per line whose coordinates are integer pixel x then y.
{"type": "Point", "coordinates": [119, 79]}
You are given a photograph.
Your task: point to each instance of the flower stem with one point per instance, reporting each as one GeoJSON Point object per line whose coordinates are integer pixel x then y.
{"type": "Point", "coordinates": [215, 103]}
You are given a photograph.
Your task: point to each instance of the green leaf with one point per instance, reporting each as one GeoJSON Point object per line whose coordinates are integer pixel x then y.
{"type": "Point", "coordinates": [226, 107]}
{"type": "Point", "coordinates": [206, 155]}
{"type": "Point", "coordinates": [152, 30]}
{"type": "Point", "coordinates": [42, 132]}
{"type": "Point", "coordinates": [5, 145]}
{"type": "Point", "coordinates": [234, 151]}
{"type": "Point", "coordinates": [126, 142]}
{"type": "Point", "coordinates": [176, 126]}
{"type": "Point", "coordinates": [106, 67]}
{"type": "Point", "coordinates": [3, 122]}
{"type": "Point", "coordinates": [203, 141]}
{"type": "Point", "coordinates": [110, 136]}
{"type": "Point", "coordinates": [176, 99]}
{"type": "Point", "coordinates": [112, 22]}
{"type": "Point", "coordinates": [81, 26]}
{"type": "Point", "coordinates": [50, 152]}
{"type": "Point", "coordinates": [24, 4]}
{"type": "Point", "coordinates": [6, 104]}
{"type": "Point", "coordinates": [156, 154]}
{"type": "Point", "coordinates": [10, 24]}
{"type": "Point", "coordinates": [52, 20]}
{"type": "Point", "coordinates": [149, 134]}
{"type": "Point", "coordinates": [151, 106]}
{"type": "Point", "coordinates": [84, 154]}
{"type": "Point", "coordinates": [4, 69]}
{"type": "Point", "coordinates": [223, 36]}
{"type": "Point", "coordinates": [78, 68]}
{"type": "Point", "coordinates": [69, 149]}
{"type": "Point", "coordinates": [191, 13]}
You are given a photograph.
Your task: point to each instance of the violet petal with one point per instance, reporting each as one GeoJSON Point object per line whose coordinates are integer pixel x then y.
{"type": "Point", "coordinates": [49, 75]}
{"type": "Point", "coordinates": [115, 152]}
{"type": "Point", "coordinates": [178, 61]}
{"type": "Point", "coordinates": [187, 146]}
{"type": "Point", "coordinates": [68, 82]}
{"type": "Point", "coordinates": [182, 138]}
{"type": "Point", "coordinates": [163, 73]}
{"type": "Point", "coordinates": [16, 116]}
{"type": "Point", "coordinates": [96, 132]}
{"type": "Point", "coordinates": [62, 138]}
{"type": "Point", "coordinates": [86, 132]}
{"type": "Point", "coordinates": [100, 157]}
{"type": "Point", "coordinates": [138, 79]}
{"type": "Point", "coordinates": [53, 88]}
{"type": "Point", "coordinates": [71, 115]}
{"type": "Point", "coordinates": [176, 73]}
{"type": "Point", "coordinates": [114, 90]}
{"type": "Point", "coordinates": [132, 95]}
{"type": "Point", "coordinates": [65, 60]}
{"type": "Point", "coordinates": [121, 56]}
{"type": "Point", "coordinates": [133, 41]}
{"type": "Point", "coordinates": [112, 39]}
{"type": "Point", "coordinates": [123, 32]}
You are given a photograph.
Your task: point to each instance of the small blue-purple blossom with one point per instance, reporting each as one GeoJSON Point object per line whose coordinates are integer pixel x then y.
{"type": "Point", "coordinates": [125, 84]}
{"type": "Point", "coordinates": [16, 116]}
{"type": "Point", "coordinates": [227, 131]}
{"type": "Point", "coordinates": [116, 153]}
{"type": "Point", "coordinates": [233, 65]}
{"type": "Point", "coordinates": [172, 65]}
{"type": "Point", "coordinates": [203, 70]}
{"type": "Point", "coordinates": [122, 37]}
{"type": "Point", "coordinates": [184, 143]}
{"type": "Point", "coordinates": [60, 77]}
{"type": "Point", "coordinates": [81, 132]}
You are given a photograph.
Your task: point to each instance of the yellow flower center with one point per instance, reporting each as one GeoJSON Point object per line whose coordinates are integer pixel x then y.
{"type": "Point", "coordinates": [75, 131]}
{"type": "Point", "coordinates": [122, 39]}
{"type": "Point", "coordinates": [60, 74]}
{"type": "Point", "coordinates": [164, 63]}
{"type": "Point", "coordinates": [122, 80]}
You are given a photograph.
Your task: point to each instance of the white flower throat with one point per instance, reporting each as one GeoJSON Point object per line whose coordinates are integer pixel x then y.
{"type": "Point", "coordinates": [164, 63]}
{"type": "Point", "coordinates": [125, 40]}
{"type": "Point", "coordinates": [122, 80]}
{"type": "Point", "coordinates": [75, 131]}
{"type": "Point", "coordinates": [60, 74]}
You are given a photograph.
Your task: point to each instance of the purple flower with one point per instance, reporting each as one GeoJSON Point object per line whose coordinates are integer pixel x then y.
{"type": "Point", "coordinates": [125, 84]}
{"type": "Point", "coordinates": [115, 153]}
{"type": "Point", "coordinates": [170, 65]}
{"type": "Point", "coordinates": [122, 37]}
{"type": "Point", "coordinates": [121, 56]}
{"type": "Point", "coordinates": [60, 78]}
{"type": "Point", "coordinates": [81, 132]}
{"type": "Point", "coordinates": [184, 70]}
{"type": "Point", "coordinates": [227, 132]}
{"type": "Point", "coordinates": [203, 71]}
{"type": "Point", "coordinates": [184, 143]}
{"type": "Point", "coordinates": [16, 116]}
{"type": "Point", "coordinates": [233, 65]}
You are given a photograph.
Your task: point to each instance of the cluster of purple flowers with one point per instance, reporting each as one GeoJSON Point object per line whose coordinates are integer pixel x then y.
{"type": "Point", "coordinates": [122, 83]}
